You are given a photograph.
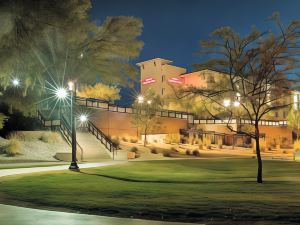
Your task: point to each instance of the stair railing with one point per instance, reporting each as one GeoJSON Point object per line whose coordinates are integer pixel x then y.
{"type": "Point", "coordinates": [65, 130]}
{"type": "Point", "coordinates": [105, 140]}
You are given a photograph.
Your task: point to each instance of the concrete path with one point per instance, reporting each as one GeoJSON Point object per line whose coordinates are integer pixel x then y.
{"type": "Point", "coordinates": [12, 215]}
{"type": "Point", "coordinates": [8, 172]}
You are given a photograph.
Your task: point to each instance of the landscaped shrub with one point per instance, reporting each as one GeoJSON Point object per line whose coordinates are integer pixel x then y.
{"type": "Point", "coordinates": [172, 138]}
{"type": "Point", "coordinates": [154, 150]}
{"type": "Point", "coordinates": [196, 153]}
{"type": "Point", "coordinates": [172, 149]}
{"type": "Point", "coordinates": [16, 135]}
{"type": "Point", "coordinates": [167, 154]}
{"type": "Point", "coordinates": [125, 139]}
{"type": "Point", "coordinates": [134, 149]}
{"type": "Point", "coordinates": [200, 144]}
{"type": "Point", "coordinates": [187, 152]}
{"type": "Point", "coordinates": [13, 148]}
{"type": "Point", "coordinates": [207, 142]}
{"type": "Point", "coordinates": [297, 145]}
{"type": "Point", "coordinates": [133, 140]}
{"type": "Point", "coordinates": [50, 137]}
{"type": "Point", "coordinates": [116, 142]}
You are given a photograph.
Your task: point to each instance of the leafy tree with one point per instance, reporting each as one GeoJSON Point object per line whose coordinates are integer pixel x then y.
{"type": "Point", "coordinates": [256, 69]}
{"type": "Point", "coordinates": [100, 91]}
{"type": "Point", "coordinates": [56, 41]}
{"type": "Point", "coordinates": [294, 121]}
{"type": "Point", "coordinates": [2, 120]}
{"type": "Point", "coordinates": [144, 117]}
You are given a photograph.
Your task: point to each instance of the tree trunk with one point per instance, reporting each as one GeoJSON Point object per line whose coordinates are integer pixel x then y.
{"type": "Point", "coordinates": [145, 137]}
{"type": "Point", "coordinates": [259, 161]}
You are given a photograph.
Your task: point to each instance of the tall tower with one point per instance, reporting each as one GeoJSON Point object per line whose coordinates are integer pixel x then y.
{"type": "Point", "coordinates": [158, 75]}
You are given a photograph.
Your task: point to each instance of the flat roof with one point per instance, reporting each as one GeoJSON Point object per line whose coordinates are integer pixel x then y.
{"type": "Point", "coordinates": [164, 61]}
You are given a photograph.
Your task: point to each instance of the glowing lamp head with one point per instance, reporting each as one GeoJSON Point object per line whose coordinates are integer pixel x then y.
{"type": "Point", "coordinates": [226, 102]}
{"type": "Point", "coordinates": [83, 118]}
{"type": "Point", "coordinates": [140, 99]}
{"type": "Point", "coordinates": [61, 93]}
{"type": "Point", "coordinates": [16, 82]}
{"type": "Point", "coordinates": [149, 102]}
{"type": "Point", "coordinates": [71, 85]}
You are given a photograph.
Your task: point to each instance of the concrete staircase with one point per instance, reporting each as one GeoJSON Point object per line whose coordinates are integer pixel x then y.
{"type": "Point", "coordinates": [93, 149]}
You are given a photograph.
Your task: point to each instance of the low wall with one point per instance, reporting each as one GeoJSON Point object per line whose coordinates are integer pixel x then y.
{"type": "Point", "coordinates": [120, 124]}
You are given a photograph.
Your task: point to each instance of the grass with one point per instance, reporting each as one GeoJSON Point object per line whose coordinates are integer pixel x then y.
{"type": "Point", "coordinates": [177, 190]}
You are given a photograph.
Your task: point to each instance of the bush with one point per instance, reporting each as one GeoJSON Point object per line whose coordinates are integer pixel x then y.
{"type": "Point", "coordinates": [13, 148]}
{"type": "Point", "coordinates": [116, 142]}
{"type": "Point", "coordinates": [200, 144]}
{"type": "Point", "coordinates": [187, 152]}
{"type": "Point", "coordinates": [133, 140]}
{"type": "Point", "coordinates": [196, 153]}
{"type": "Point", "coordinates": [154, 151]}
{"type": "Point", "coordinates": [134, 149]}
{"type": "Point", "coordinates": [172, 149]}
{"type": "Point", "coordinates": [125, 139]}
{"type": "Point", "coordinates": [172, 138]}
{"type": "Point", "coordinates": [17, 136]}
{"type": "Point", "coordinates": [207, 142]}
{"type": "Point", "coordinates": [167, 154]}
{"type": "Point", "coordinates": [50, 137]}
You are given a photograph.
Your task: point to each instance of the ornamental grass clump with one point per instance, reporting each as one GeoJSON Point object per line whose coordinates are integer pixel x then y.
{"type": "Point", "coordinates": [50, 137]}
{"type": "Point", "coordinates": [13, 148]}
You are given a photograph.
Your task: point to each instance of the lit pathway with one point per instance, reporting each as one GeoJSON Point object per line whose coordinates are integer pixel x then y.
{"type": "Point", "coordinates": [8, 172]}
{"type": "Point", "coordinates": [14, 215]}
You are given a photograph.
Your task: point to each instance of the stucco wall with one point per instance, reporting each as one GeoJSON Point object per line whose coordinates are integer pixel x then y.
{"type": "Point", "coordinates": [120, 124]}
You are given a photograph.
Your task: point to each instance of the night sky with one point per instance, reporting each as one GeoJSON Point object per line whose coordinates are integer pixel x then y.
{"type": "Point", "coordinates": [173, 28]}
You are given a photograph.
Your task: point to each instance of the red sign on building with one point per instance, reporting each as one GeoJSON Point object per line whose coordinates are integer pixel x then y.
{"type": "Point", "coordinates": [149, 80]}
{"type": "Point", "coordinates": [175, 80]}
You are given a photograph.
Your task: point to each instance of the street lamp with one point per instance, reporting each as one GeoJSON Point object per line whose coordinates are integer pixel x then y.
{"type": "Point", "coordinates": [140, 99]}
{"type": "Point", "coordinates": [83, 118]}
{"type": "Point", "coordinates": [61, 94]}
{"type": "Point", "coordinates": [74, 165]}
{"type": "Point", "coordinates": [149, 102]}
{"type": "Point", "coordinates": [16, 82]}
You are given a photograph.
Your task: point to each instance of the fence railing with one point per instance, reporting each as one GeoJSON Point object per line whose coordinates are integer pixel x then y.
{"type": "Point", "coordinates": [104, 105]}
{"type": "Point", "coordinates": [47, 122]}
{"type": "Point", "coordinates": [106, 141]}
{"type": "Point", "coordinates": [190, 117]}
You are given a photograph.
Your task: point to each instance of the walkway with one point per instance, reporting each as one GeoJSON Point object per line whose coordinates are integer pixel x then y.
{"type": "Point", "coordinates": [13, 215]}
{"type": "Point", "coordinates": [8, 172]}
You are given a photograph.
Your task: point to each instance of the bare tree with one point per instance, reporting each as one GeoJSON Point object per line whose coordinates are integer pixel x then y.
{"type": "Point", "coordinates": [259, 75]}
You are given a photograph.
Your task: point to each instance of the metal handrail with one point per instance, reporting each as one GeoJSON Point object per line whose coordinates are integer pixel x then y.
{"type": "Point", "coordinates": [105, 140]}
{"type": "Point", "coordinates": [65, 129]}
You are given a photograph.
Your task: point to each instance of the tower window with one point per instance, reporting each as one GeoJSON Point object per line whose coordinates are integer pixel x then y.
{"type": "Point", "coordinates": [162, 91]}
{"type": "Point", "coordinates": [162, 78]}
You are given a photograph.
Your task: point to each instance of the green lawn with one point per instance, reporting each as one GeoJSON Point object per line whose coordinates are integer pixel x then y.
{"type": "Point", "coordinates": [176, 190]}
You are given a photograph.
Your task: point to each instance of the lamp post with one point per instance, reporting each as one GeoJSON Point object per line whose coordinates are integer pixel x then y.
{"type": "Point", "coordinates": [73, 165]}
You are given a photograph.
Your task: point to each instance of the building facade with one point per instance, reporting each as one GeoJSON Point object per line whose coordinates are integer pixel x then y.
{"type": "Point", "coordinates": [160, 76]}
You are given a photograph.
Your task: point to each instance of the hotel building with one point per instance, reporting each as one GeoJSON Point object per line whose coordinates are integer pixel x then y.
{"type": "Point", "coordinates": [162, 77]}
